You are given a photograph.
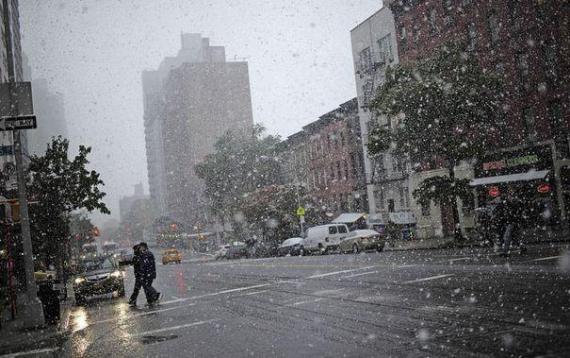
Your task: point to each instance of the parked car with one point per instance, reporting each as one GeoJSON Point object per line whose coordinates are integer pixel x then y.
{"type": "Point", "coordinates": [237, 250]}
{"type": "Point", "coordinates": [323, 238]}
{"type": "Point", "coordinates": [290, 246]}
{"type": "Point", "coordinates": [98, 276]}
{"type": "Point", "coordinates": [171, 255]}
{"type": "Point", "coordinates": [362, 240]}
{"type": "Point", "coordinates": [221, 252]}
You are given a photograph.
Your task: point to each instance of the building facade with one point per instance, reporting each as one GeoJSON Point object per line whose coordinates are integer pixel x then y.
{"type": "Point", "coordinates": [335, 175]}
{"type": "Point", "coordinates": [294, 159]}
{"type": "Point", "coordinates": [190, 101]}
{"type": "Point", "coordinates": [374, 49]}
{"type": "Point", "coordinates": [526, 44]}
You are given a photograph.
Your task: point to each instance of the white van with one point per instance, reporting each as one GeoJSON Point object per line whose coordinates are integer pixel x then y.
{"type": "Point", "coordinates": [323, 238]}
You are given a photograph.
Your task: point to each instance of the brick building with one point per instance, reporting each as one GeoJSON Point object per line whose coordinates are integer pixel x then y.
{"type": "Point", "coordinates": [527, 44]}
{"type": "Point", "coordinates": [335, 162]}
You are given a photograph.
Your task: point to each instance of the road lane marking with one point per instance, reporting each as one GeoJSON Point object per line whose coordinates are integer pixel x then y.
{"type": "Point", "coordinates": [339, 272]}
{"type": "Point", "coordinates": [137, 315]}
{"type": "Point", "coordinates": [303, 302]}
{"type": "Point", "coordinates": [254, 293]}
{"type": "Point", "coordinates": [27, 353]}
{"type": "Point", "coordinates": [459, 259]}
{"type": "Point", "coordinates": [429, 278]}
{"type": "Point", "coordinates": [193, 324]}
{"type": "Point", "coordinates": [239, 289]}
{"type": "Point", "coordinates": [546, 258]}
{"type": "Point", "coordinates": [360, 274]}
{"type": "Point", "coordinates": [406, 266]}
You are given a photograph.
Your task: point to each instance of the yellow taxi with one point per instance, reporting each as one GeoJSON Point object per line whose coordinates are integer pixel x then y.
{"type": "Point", "coordinates": [171, 255]}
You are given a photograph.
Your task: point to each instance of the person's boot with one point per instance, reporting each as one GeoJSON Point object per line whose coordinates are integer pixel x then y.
{"type": "Point", "coordinates": [132, 303]}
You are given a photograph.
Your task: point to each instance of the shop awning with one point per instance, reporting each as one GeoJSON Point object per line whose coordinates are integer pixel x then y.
{"type": "Point", "coordinates": [402, 217]}
{"type": "Point", "coordinates": [530, 175]}
{"type": "Point", "coordinates": [348, 218]}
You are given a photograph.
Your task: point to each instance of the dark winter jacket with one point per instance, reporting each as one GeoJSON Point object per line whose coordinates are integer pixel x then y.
{"type": "Point", "coordinates": [137, 263]}
{"type": "Point", "coordinates": [144, 266]}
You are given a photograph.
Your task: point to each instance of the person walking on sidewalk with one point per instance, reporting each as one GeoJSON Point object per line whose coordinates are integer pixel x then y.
{"type": "Point", "coordinates": [513, 216]}
{"type": "Point", "coordinates": [145, 272]}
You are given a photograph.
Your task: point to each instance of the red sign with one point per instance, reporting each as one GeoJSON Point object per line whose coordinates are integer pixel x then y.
{"type": "Point", "coordinates": [494, 191]}
{"type": "Point", "coordinates": [543, 188]}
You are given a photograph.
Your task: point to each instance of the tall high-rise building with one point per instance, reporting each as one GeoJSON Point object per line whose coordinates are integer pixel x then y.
{"type": "Point", "coordinates": [190, 101]}
{"type": "Point", "coordinates": [50, 113]}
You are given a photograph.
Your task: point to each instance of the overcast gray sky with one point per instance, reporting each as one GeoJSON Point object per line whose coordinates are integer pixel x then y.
{"type": "Point", "coordinates": [93, 51]}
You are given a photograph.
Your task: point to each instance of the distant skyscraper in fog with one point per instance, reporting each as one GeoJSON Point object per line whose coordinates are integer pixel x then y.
{"type": "Point", "coordinates": [190, 101]}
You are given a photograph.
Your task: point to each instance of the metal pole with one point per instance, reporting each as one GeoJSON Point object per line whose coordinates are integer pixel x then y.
{"type": "Point", "coordinates": [24, 218]}
{"type": "Point", "coordinates": [33, 314]}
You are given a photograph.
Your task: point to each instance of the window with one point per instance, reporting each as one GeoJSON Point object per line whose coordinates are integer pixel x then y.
{"type": "Point", "coordinates": [529, 123]}
{"type": "Point", "coordinates": [391, 205]}
{"type": "Point", "coordinates": [403, 37]}
{"type": "Point", "coordinates": [342, 229]}
{"type": "Point", "coordinates": [332, 173]}
{"type": "Point", "coordinates": [379, 198]}
{"type": "Point", "coordinates": [401, 195]}
{"type": "Point", "coordinates": [500, 69]}
{"type": "Point", "coordinates": [555, 116]}
{"type": "Point", "coordinates": [433, 22]}
{"type": "Point", "coordinates": [472, 36]}
{"type": "Point", "coordinates": [523, 69]}
{"type": "Point", "coordinates": [494, 28]}
{"type": "Point", "coordinates": [342, 140]}
{"type": "Point", "coordinates": [332, 230]}
{"type": "Point", "coordinates": [517, 18]}
{"type": "Point", "coordinates": [368, 92]}
{"type": "Point", "coordinates": [338, 170]}
{"type": "Point", "coordinates": [426, 209]}
{"type": "Point", "coordinates": [407, 196]}
{"type": "Point", "coordinates": [448, 13]}
{"type": "Point", "coordinates": [365, 60]}
{"type": "Point", "coordinates": [550, 60]}
{"type": "Point", "coordinates": [385, 46]}
{"type": "Point", "coordinates": [345, 170]}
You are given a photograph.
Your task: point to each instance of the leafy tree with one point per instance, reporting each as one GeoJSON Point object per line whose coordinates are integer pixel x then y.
{"type": "Point", "coordinates": [58, 187]}
{"type": "Point", "coordinates": [446, 109]}
{"type": "Point", "coordinates": [271, 211]}
{"type": "Point", "coordinates": [241, 163]}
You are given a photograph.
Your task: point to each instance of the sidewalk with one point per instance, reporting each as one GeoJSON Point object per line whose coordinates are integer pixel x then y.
{"type": "Point", "coordinates": [42, 341]}
{"type": "Point", "coordinates": [530, 236]}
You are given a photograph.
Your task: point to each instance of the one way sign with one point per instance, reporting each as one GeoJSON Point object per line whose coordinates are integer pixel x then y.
{"type": "Point", "coordinates": [20, 122]}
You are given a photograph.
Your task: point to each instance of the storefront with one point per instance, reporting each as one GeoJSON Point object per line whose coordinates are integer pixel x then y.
{"type": "Point", "coordinates": [527, 174]}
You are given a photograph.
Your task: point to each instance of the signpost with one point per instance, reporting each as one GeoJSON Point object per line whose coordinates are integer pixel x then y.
{"type": "Point", "coordinates": [301, 214]}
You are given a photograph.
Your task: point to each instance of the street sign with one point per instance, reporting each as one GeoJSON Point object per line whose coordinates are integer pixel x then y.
{"type": "Point", "coordinates": [21, 122]}
{"type": "Point", "coordinates": [494, 191]}
{"type": "Point", "coordinates": [300, 211]}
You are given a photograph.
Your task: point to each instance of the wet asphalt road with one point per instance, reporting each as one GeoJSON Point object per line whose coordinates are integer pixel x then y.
{"type": "Point", "coordinates": [433, 303]}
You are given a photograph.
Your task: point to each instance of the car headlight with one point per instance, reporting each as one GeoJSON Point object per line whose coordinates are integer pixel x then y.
{"type": "Point", "coordinates": [117, 274]}
{"type": "Point", "coordinates": [79, 280]}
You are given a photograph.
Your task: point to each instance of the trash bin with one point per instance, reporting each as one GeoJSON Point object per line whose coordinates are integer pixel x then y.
{"type": "Point", "coordinates": [50, 302]}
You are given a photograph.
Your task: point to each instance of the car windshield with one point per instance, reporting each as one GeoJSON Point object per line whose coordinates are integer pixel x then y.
{"type": "Point", "coordinates": [94, 265]}
{"type": "Point", "coordinates": [285, 178]}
